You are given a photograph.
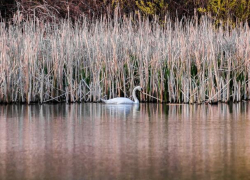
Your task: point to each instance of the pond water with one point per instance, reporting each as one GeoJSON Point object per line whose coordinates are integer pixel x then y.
{"type": "Point", "coordinates": [150, 141]}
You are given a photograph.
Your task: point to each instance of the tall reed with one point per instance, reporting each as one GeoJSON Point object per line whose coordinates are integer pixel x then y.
{"type": "Point", "coordinates": [182, 62]}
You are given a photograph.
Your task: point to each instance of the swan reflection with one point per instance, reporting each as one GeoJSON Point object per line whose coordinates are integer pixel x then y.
{"type": "Point", "coordinates": [122, 110]}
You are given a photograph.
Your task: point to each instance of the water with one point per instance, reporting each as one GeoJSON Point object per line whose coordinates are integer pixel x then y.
{"type": "Point", "coordinates": [150, 141]}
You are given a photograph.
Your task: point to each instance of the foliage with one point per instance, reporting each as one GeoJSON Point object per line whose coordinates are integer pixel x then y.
{"type": "Point", "coordinates": [228, 10]}
{"type": "Point", "coordinates": [74, 9]}
{"type": "Point", "coordinates": [156, 7]}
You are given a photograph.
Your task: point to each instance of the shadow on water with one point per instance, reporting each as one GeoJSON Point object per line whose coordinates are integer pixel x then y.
{"type": "Point", "coordinates": [150, 141]}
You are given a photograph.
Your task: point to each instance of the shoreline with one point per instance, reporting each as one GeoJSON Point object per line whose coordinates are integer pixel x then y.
{"type": "Point", "coordinates": [98, 102]}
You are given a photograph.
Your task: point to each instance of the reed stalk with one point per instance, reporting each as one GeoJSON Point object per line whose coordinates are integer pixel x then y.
{"type": "Point", "coordinates": [182, 62]}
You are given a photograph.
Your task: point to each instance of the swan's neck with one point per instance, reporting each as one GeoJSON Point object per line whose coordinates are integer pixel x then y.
{"type": "Point", "coordinates": [134, 96]}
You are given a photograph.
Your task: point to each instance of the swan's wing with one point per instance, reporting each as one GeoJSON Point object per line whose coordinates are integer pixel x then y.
{"type": "Point", "coordinates": [124, 101]}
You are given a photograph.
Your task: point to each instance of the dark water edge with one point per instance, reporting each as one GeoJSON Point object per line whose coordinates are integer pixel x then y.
{"type": "Point", "coordinates": [150, 141]}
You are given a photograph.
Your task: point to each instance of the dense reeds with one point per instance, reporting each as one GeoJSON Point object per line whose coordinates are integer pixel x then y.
{"type": "Point", "coordinates": [182, 62]}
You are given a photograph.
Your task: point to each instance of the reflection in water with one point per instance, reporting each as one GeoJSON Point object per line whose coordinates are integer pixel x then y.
{"type": "Point", "coordinates": [121, 111]}
{"type": "Point", "coordinates": [150, 141]}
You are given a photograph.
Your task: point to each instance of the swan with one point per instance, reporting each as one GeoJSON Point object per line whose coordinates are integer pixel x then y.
{"type": "Point", "coordinates": [122, 100]}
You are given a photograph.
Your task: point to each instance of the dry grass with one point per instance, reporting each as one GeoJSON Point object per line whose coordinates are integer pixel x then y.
{"type": "Point", "coordinates": [191, 63]}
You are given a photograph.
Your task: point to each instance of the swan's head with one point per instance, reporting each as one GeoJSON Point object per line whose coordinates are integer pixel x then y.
{"type": "Point", "coordinates": [139, 88]}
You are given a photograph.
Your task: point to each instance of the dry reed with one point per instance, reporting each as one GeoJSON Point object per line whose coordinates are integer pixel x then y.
{"type": "Point", "coordinates": [182, 62]}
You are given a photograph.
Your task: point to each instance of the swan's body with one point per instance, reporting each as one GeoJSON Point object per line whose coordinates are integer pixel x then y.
{"type": "Point", "coordinates": [119, 100]}
{"type": "Point", "coordinates": [123, 100]}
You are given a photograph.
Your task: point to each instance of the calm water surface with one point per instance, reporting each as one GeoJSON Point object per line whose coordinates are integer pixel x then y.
{"type": "Point", "coordinates": [150, 141]}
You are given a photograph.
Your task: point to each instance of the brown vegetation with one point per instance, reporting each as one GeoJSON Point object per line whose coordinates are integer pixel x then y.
{"type": "Point", "coordinates": [81, 50]}
{"type": "Point", "coordinates": [177, 62]}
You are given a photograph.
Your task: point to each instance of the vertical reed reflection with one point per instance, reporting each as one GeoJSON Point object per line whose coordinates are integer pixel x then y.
{"type": "Point", "coordinates": [150, 141]}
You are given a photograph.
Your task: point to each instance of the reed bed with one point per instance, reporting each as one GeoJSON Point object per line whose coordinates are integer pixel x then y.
{"type": "Point", "coordinates": [178, 62]}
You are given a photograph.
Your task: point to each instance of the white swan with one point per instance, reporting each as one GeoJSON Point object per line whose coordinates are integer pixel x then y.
{"type": "Point", "coordinates": [122, 100]}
